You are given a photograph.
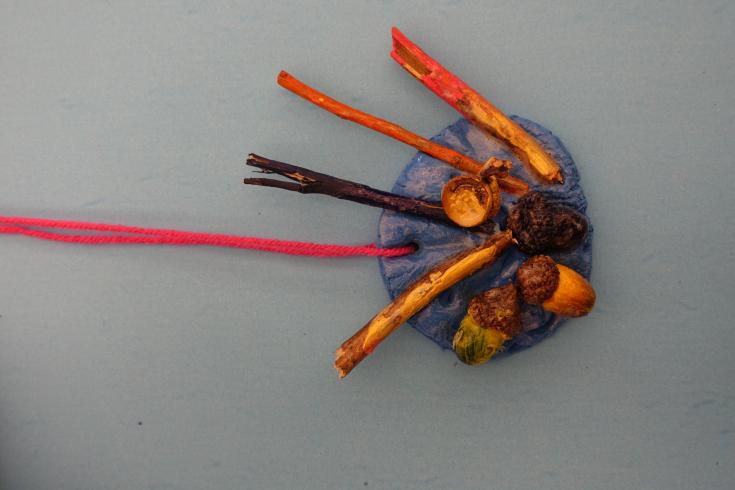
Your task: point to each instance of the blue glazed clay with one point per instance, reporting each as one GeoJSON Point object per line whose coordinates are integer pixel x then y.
{"type": "Point", "coordinates": [423, 178]}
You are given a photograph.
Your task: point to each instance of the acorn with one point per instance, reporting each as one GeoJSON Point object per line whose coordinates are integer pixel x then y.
{"type": "Point", "coordinates": [469, 201]}
{"type": "Point", "coordinates": [492, 318]}
{"type": "Point", "coordinates": [539, 225]}
{"type": "Point", "coordinates": [555, 287]}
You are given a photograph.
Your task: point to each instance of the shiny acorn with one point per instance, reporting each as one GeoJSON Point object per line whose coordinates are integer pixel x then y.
{"type": "Point", "coordinates": [493, 317]}
{"type": "Point", "coordinates": [470, 201]}
{"type": "Point", "coordinates": [539, 225]}
{"type": "Point", "coordinates": [555, 287]}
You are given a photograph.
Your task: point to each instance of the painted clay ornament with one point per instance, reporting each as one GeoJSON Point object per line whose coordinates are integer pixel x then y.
{"type": "Point", "coordinates": [480, 202]}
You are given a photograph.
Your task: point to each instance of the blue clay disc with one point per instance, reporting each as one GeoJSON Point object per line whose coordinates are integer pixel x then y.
{"type": "Point", "coordinates": [423, 178]}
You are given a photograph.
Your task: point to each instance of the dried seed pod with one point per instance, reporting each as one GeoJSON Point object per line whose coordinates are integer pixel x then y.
{"type": "Point", "coordinates": [539, 225]}
{"type": "Point", "coordinates": [555, 287]}
{"type": "Point", "coordinates": [492, 318]}
{"type": "Point", "coordinates": [469, 201]}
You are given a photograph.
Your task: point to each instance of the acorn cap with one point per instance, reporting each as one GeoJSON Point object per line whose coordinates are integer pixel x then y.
{"type": "Point", "coordinates": [539, 225]}
{"type": "Point", "coordinates": [570, 228]}
{"type": "Point", "coordinates": [538, 278]}
{"type": "Point", "coordinates": [532, 222]}
{"type": "Point", "coordinates": [497, 308]}
{"type": "Point", "coordinates": [469, 201]}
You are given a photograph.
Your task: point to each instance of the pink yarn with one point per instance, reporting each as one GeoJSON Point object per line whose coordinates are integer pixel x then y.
{"type": "Point", "coordinates": [121, 234]}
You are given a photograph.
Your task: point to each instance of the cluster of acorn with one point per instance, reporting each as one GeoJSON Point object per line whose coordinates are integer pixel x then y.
{"type": "Point", "coordinates": [538, 226]}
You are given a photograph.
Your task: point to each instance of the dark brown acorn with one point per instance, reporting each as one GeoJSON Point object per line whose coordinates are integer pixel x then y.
{"type": "Point", "coordinates": [539, 225]}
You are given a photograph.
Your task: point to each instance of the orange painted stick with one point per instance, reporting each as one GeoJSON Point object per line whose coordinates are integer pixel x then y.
{"type": "Point", "coordinates": [507, 183]}
{"type": "Point", "coordinates": [473, 106]}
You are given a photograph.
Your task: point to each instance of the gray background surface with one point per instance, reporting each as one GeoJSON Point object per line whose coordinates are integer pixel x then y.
{"type": "Point", "coordinates": [165, 368]}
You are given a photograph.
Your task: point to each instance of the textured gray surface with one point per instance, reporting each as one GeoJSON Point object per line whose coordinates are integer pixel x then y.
{"type": "Point", "coordinates": [166, 368]}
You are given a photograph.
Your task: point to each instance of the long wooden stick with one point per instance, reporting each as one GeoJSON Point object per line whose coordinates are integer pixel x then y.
{"type": "Point", "coordinates": [473, 106]}
{"type": "Point", "coordinates": [507, 183]}
{"type": "Point", "coordinates": [415, 298]}
{"type": "Point", "coordinates": [309, 182]}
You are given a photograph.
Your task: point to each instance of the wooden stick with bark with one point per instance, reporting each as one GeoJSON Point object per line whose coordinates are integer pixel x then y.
{"type": "Point", "coordinates": [473, 106]}
{"type": "Point", "coordinates": [309, 182]}
{"type": "Point", "coordinates": [416, 297]}
{"type": "Point", "coordinates": [507, 182]}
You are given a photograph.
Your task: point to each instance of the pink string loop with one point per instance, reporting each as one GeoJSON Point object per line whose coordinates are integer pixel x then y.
{"type": "Point", "coordinates": [132, 235]}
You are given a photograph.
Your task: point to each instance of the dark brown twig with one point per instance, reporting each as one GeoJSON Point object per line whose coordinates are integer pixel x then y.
{"type": "Point", "coordinates": [310, 182]}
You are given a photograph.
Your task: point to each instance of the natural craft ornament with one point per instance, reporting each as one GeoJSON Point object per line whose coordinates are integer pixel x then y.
{"type": "Point", "coordinates": [568, 235]}
{"type": "Point", "coordinates": [452, 237]}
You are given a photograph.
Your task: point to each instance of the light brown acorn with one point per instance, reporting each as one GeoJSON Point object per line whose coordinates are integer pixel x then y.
{"type": "Point", "coordinates": [492, 318]}
{"type": "Point", "coordinates": [555, 287]}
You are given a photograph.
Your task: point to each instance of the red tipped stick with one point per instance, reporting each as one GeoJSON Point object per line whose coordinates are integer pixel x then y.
{"type": "Point", "coordinates": [473, 106]}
